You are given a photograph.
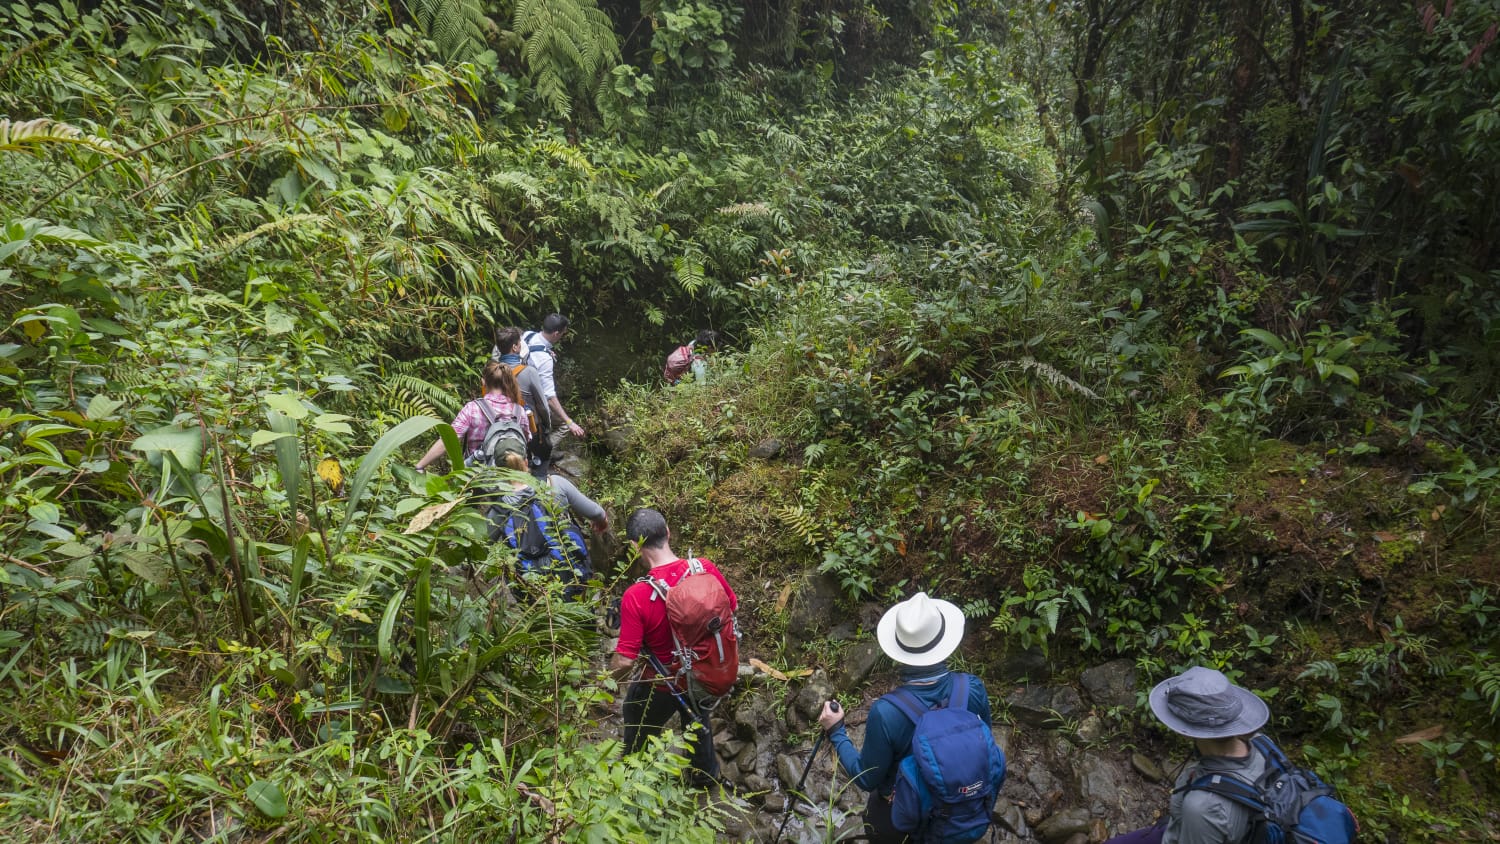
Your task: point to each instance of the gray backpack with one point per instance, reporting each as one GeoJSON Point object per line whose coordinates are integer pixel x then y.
{"type": "Point", "coordinates": [503, 435]}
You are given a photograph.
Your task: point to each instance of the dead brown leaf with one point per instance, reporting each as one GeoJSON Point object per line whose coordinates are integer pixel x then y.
{"type": "Point", "coordinates": [1422, 735]}
{"type": "Point", "coordinates": [766, 669]}
{"type": "Point", "coordinates": [428, 515]}
{"type": "Point", "coordinates": [786, 594]}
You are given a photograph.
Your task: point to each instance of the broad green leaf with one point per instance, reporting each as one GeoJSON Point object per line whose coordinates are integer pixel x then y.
{"type": "Point", "coordinates": [1275, 206]}
{"type": "Point", "coordinates": [299, 571]}
{"type": "Point", "coordinates": [185, 444]}
{"type": "Point", "coordinates": [387, 445]}
{"type": "Point", "coordinates": [147, 565]}
{"type": "Point", "coordinates": [268, 798]}
{"type": "Point", "coordinates": [102, 407]}
{"type": "Point", "coordinates": [388, 625]}
{"type": "Point", "coordinates": [1265, 337]}
{"type": "Point", "coordinates": [288, 455]}
{"type": "Point", "coordinates": [333, 423]}
{"type": "Point", "coordinates": [279, 321]}
{"type": "Point", "coordinates": [422, 611]}
{"type": "Point", "coordinates": [287, 403]}
{"type": "Point", "coordinates": [1346, 373]}
{"type": "Point", "coordinates": [260, 438]}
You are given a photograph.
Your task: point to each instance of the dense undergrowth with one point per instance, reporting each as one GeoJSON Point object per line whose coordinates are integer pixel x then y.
{"type": "Point", "coordinates": [246, 261]}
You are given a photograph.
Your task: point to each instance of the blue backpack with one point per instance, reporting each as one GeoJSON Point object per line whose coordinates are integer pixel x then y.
{"type": "Point", "coordinates": [1288, 805]}
{"type": "Point", "coordinates": [546, 540]}
{"type": "Point", "coordinates": [946, 787]}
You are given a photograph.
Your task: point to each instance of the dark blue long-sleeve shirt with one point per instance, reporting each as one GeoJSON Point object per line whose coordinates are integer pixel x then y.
{"type": "Point", "coordinates": [888, 733]}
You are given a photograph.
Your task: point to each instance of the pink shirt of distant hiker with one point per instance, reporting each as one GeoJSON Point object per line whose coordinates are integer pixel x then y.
{"type": "Point", "coordinates": [470, 420]}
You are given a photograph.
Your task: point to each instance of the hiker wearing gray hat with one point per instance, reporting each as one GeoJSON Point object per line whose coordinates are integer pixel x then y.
{"type": "Point", "coordinates": [1220, 718]}
{"type": "Point", "coordinates": [919, 634]}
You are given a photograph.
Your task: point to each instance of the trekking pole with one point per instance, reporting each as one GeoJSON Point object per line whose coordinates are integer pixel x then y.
{"type": "Point", "coordinates": [688, 712]}
{"type": "Point", "coordinates": [817, 745]}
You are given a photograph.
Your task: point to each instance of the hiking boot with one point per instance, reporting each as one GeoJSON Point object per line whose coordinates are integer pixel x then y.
{"type": "Point", "coordinates": [710, 783]}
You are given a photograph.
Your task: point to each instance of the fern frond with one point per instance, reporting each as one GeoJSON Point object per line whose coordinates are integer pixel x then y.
{"type": "Point", "coordinates": [29, 135]}
{"type": "Point", "coordinates": [568, 45]}
{"type": "Point", "coordinates": [1052, 376]}
{"type": "Point", "coordinates": [229, 244]}
{"type": "Point", "coordinates": [802, 523]}
{"type": "Point", "coordinates": [749, 210]}
{"type": "Point", "coordinates": [515, 183]}
{"type": "Point", "coordinates": [414, 391]}
{"type": "Point", "coordinates": [788, 143]}
{"type": "Point", "coordinates": [457, 27]}
{"type": "Point", "coordinates": [689, 270]}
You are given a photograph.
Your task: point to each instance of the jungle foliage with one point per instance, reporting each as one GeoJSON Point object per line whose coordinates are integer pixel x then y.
{"type": "Point", "coordinates": [1144, 327]}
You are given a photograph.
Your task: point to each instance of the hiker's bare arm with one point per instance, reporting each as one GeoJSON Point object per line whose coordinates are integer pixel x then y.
{"type": "Point", "coordinates": [620, 667]}
{"type": "Point", "coordinates": [431, 455]}
{"type": "Point", "coordinates": [559, 413]}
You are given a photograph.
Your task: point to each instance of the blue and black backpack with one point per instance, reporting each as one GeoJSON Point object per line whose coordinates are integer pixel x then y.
{"type": "Point", "coordinates": [1288, 804]}
{"type": "Point", "coordinates": [546, 541]}
{"type": "Point", "coordinates": [946, 787]}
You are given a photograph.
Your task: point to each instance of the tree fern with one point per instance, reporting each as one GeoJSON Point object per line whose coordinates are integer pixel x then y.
{"type": "Point", "coordinates": [457, 27]}
{"type": "Point", "coordinates": [569, 44]}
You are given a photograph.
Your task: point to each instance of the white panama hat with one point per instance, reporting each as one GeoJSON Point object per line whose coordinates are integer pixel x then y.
{"type": "Point", "coordinates": [920, 630]}
{"type": "Point", "coordinates": [1202, 703]}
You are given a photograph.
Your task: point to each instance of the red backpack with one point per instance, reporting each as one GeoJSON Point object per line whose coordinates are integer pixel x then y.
{"type": "Point", "coordinates": [705, 652]}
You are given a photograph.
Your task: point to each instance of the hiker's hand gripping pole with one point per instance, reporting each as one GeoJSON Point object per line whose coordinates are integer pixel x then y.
{"type": "Point", "coordinates": [688, 712]}
{"type": "Point", "coordinates": [833, 706]}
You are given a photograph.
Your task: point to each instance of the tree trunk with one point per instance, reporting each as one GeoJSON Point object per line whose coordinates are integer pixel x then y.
{"type": "Point", "coordinates": [1247, 17]}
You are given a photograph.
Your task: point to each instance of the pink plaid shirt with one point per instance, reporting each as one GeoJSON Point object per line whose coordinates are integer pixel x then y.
{"type": "Point", "coordinates": [471, 419]}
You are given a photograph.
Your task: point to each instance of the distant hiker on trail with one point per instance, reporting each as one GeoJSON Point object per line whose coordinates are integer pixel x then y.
{"type": "Point", "coordinates": [537, 525]}
{"type": "Point", "coordinates": [679, 618]}
{"type": "Point", "coordinates": [693, 356]}
{"type": "Point", "coordinates": [537, 350]}
{"type": "Point", "coordinates": [946, 714]}
{"type": "Point", "coordinates": [1209, 802]}
{"type": "Point", "coordinates": [489, 426]}
{"type": "Point", "coordinates": [533, 394]}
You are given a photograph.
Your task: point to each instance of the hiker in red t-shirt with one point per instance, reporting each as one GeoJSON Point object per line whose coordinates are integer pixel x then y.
{"type": "Point", "coordinates": [643, 627]}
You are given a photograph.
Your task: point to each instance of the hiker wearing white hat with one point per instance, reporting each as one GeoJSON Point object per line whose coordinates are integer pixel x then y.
{"type": "Point", "coordinates": [920, 634]}
{"type": "Point", "coordinates": [1220, 718]}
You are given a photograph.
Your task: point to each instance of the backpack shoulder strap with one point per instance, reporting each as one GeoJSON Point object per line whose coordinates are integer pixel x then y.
{"type": "Point", "coordinates": [484, 407]}
{"type": "Point", "coordinates": [1273, 754]}
{"type": "Point", "coordinates": [535, 347]}
{"type": "Point", "coordinates": [958, 697]}
{"type": "Point", "coordinates": [1230, 787]}
{"type": "Point", "coordinates": [907, 703]}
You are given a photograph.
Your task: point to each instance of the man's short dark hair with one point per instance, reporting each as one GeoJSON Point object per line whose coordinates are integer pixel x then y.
{"type": "Point", "coordinates": [647, 527]}
{"type": "Point", "coordinates": [507, 338]}
{"type": "Point", "coordinates": [707, 339]}
{"type": "Point", "coordinates": [554, 323]}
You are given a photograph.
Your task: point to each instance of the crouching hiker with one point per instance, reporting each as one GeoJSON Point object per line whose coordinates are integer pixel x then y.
{"type": "Point", "coordinates": [930, 762]}
{"type": "Point", "coordinates": [1241, 789]}
{"type": "Point", "coordinates": [537, 519]}
{"type": "Point", "coordinates": [693, 356]}
{"type": "Point", "coordinates": [680, 620]}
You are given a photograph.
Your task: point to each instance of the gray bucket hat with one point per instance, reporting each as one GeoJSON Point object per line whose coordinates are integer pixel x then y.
{"type": "Point", "coordinates": [1202, 703]}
